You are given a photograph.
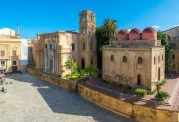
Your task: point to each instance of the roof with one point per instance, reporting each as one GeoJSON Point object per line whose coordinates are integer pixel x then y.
{"type": "Point", "coordinates": [149, 29]}
{"type": "Point", "coordinates": [136, 30]}
{"type": "Point", "coordinates": [171, 29]}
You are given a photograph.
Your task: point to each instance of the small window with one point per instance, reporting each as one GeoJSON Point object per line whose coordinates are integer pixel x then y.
{"type": "Point", "coordinates": [83, 46]}
{"type": "Point", "coordinates": [159, 59]}
{"type": "Point", "coordinates": [73, 47]}
{"type": "Point", "coordinates": [173, 56]}
{"type": "Point", "coordinates": [83, 31]}
{"type": "Point", "coordinates": [91, 61]}
{"type": "Point", "coordinates": [112, 58]}
{"type": "Point", "coordinates": [51, 46]}
{"type": "Point", "coordinates": [140, 61]}
{"type": "Point", "coordinates": [46, 46]}
{"type": "Point", "coordinates": [2, 63]}
{"type": "Point", "coordinates": [124, 59]}
{"type": "Point", "coordinates": [154, 60]}
{"type": "Point", "coordinates": [83, 18]}
{"type": "Point", "coordinates": [2, 52]}
{"type": "Point", "coordinates": [162, 57]}
{"type": "Point", "coordinates": [14, 63]}
{"type": "Point", "coordinates": [13, 52]}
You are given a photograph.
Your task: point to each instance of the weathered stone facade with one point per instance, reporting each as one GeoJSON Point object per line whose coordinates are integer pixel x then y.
{"type": "Point", "coordinates": [10, 53]}
{"type": "Point", "coordinates": [137, 63]}
{"type": "Point", "coordinates": [173, 33]}
{"type": "Point", "coordinates": [87, 41]}
{"type": "Point", "coordinates": [53, 49]}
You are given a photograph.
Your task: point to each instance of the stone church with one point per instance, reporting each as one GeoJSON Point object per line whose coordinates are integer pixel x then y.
{"type": "Point", "coordinates": [136, 59]}
{"type": "Point", "coordinates": [54, 49]}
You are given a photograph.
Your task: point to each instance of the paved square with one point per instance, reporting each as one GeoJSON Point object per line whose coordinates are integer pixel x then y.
{"type": "Point", "coordinates": [32, 100]}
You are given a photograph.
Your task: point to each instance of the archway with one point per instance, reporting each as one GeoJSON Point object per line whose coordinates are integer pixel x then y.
{"type": "Point", "coordinates": [159, 74]}
{"type": "Point", "coordinates": [82, 64]}
{"type": "Point", "coordinates": [139, 79]}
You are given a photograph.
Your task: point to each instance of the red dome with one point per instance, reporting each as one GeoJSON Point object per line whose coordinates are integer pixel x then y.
{"type": "Point", "coordinates": [149, 29]}
{"type": "Point", "coordinates": [135, 30]}
{"type": "Point", "coordinates": [123, 32]}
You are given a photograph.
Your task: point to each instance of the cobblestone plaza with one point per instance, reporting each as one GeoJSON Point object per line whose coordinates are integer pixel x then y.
{"type": "Point", "coordinates": [31, 100]}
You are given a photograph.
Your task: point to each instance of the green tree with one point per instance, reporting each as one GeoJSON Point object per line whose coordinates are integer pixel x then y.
{"type": "Point", "coordinates": [71, 65]}
{"type": "Point", "coordinates": [101, 40]}
{"type": "Point", "coordinates": [109, 29]}
{"type": "Point", "coordinates": [91, 70]}
{"type": "Point", "coordinates": [168, 51]}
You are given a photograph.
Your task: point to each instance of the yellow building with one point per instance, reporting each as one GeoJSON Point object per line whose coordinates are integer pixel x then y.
{"type": "Point", "coordinates": [10, 52]}
{"type": "Point", "coordinates": [54, 49]}
{"type": "Point", "coordinates": [136, 61]}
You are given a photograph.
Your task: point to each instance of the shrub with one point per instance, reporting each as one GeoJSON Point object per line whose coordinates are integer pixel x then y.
{"type": "Point", "coordinates": [161, 96]}
{"type": "Point", "coordinates": [31, 64]}
{"type": "Point", "coordinates": [140, 92]}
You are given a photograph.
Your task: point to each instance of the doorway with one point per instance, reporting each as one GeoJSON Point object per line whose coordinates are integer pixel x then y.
{"type": "Point", "coordinates": [139, 79]}
{"type": "Point", "coordinates": [82, 64]}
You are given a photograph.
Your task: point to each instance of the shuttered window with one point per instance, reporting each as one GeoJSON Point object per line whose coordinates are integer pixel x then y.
{"type": "Point", "coordinates": [13, 52]}
{"type": "Point", "coordinates": [2, 52]}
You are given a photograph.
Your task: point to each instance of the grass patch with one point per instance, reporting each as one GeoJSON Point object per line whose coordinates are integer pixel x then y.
{"type": "Point", "coordinates": [73, 77]}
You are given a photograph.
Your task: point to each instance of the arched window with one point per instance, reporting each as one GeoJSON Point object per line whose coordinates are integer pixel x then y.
{"type": "Point", "coordinates": [140, 61]}
{"type": "Point", "coordinates": [92, 61]}
{"type": "Point", "coordinates": [173, 56]}
{"type": "Point", "coordinates": [112, 58]}
{"type": "Point", "coordinates": [159, 59]}
{"type": "Point", "coordinates": [162, 57]}
{"type": "Point", "coordinates": [154, 60]}
{"type": "Point", "coordinates": [124, 59]}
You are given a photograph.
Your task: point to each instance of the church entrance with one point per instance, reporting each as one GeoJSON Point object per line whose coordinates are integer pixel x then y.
{"type": "Point", "coordinates": [159, 74]}
{"type": "Point", "coordinates": [82, 64]}
{"type": "Point", "coordinates": [139, 79]}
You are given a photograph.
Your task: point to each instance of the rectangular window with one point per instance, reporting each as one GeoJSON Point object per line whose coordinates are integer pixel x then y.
{"type": "Point", "coordinates": [13, 52]}
{"type": "Point", "coordinates": [2, 52]}
{"type": "Point", "coordinates": [50, 46]}
{"type": "Point", "coordinates": [14, 63]}
{"type": "Point", "coordinates": [73, 47]}
{"type": "Point", "coordinates": [83, 18]}
{"type": "Point", "coordinates": [83, 46]}
{"type": "Point", "coordinates": [46, 46]}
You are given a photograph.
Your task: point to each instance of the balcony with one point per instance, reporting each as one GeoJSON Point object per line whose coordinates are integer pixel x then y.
{"type": "Point", "coordinates": [4, 57]}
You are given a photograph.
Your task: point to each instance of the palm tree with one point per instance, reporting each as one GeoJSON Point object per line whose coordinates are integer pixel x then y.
{"type": "Point", "coordinates": [110, 29]}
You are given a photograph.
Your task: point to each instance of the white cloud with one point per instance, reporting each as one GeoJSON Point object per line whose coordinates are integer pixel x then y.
{"type": "Point", "coordinates": [176, 25]}
{"type": "Point", "coordinates": [156, 26]}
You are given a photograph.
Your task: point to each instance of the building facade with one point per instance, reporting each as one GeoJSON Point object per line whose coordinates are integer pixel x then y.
{"type": "Point", "coordinates": [10, 51]}
{"type": "Point", "coordinates": [173, 33]}
{"type": "Point", "coordinates": [54, 49]}
{"type": "Point", "coordinates": [87, 40]}
{"type": "Point", "coordinates": [136, 59]}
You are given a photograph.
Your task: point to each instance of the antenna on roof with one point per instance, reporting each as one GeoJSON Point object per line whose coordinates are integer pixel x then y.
{"type": "Point", "coordinates": [17, 30]}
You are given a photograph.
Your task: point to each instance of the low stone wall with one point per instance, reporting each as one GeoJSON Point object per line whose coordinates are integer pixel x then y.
{"type": "Point", "coordinates": [63, 83]}
{"type": "Point", "coordinates": [139, 113]}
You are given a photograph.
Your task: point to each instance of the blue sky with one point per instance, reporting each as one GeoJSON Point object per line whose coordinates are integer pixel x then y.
{"type": "Point", "coordinates": [41, 16]}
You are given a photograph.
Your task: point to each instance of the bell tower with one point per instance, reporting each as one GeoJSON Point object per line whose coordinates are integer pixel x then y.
{"type": "Point", "coordinates": [87, 40]}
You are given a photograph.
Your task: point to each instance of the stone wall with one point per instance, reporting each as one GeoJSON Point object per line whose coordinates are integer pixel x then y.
{"type": "Point", "coordinates": [139, 113]}
{"type": "Point", "coordinates": [128, 72]}
{"type": "Point", "coordinates": [58, 81]}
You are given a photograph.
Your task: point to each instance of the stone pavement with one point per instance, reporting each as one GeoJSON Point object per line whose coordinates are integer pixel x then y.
{"type": "Point", "coordinates": [31, 100]}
